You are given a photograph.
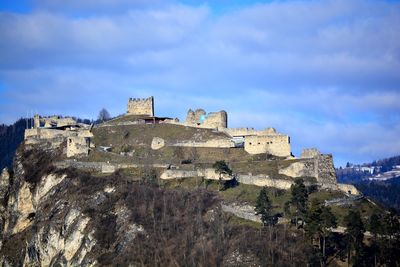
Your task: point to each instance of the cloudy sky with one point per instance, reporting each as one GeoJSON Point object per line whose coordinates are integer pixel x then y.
{"type": "Point", "coordinates": [325, 72]}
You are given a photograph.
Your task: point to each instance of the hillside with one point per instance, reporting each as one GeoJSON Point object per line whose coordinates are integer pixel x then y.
{"type": "Point", "coordinates": [117, 205]}
{"type": "Point", "coordinates": [53, 216]}
{"type": "Point", "coordinates": [378, 179]}
{"type": "Point", "coordinates": [71, 217]}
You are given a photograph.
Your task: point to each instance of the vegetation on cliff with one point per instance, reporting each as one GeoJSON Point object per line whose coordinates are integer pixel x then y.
{"type": "Point", "coordinates": [139, 223]}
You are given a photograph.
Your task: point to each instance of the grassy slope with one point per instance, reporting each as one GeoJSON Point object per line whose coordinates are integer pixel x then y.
{"type": "Point", "coordinates": [137, 138]}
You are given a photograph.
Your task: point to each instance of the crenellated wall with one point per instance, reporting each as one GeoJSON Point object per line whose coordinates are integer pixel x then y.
{"type": "Point", "coordinates": [138, 106]}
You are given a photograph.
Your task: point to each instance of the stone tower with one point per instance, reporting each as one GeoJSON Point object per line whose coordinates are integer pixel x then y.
{"type": "Point", "coordinates": [36, 121]}
{"type": "Point", "coordinates": [138, 106]}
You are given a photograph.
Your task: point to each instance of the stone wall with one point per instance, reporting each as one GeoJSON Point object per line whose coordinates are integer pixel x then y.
{"type": "Point", "coordinates": [321, 167]}
{"type": "Point", "coordinates": [137, 106]}
{"type": "Point", "coordinates": [264, 180]}
{"type": "Point", "coordinates": [103, 166]}
{"type": "Point", "coordinates": [300, 169]}
{"type": "Point", "coordinates": [195, 117]}
{"type": "Point", "coordinates": [307, 153]}
{"type": "Point", "coordinates": [42, 133]}
{"type": "Point", "coordinates": [215, 143]}
{"type": "Point", "coordinates": [208, 173]}
{"type": "Point", "coordinates": [78, 141]}
{"type": "Point", "coordinates": [77, 145]}
{"type": "Point", "coordinates": [212, 120]}
{"type": "Point", "coordinates": [55, 121]}
{"type": "Point", "coordinates": [216, 120]}
{"type": "Point", "coordinates": [178, 174]}
{"type": "Point", "coordinates": [326, 169]}
{"type": "Point", "coordinates": [65, 122]}
{"type": "Point", "coordinates": [30, 133]}
{"type": "Point", "coordinates": [242, 132]}
{"type": "Point", "coordinates": [277, 145]}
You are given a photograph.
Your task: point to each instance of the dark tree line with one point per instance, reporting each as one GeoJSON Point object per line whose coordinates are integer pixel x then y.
{"type": "Point", "coordinates": [384, 192]}
{"type": "Point", "coordinates": [10, 138]}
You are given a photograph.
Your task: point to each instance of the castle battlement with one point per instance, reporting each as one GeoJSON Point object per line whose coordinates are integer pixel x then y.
{"type": "Point", "coordinates": [141, 106]}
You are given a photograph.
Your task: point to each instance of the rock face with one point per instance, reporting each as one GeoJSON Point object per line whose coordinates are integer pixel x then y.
{"type": "Point", "coordinates": [65, 217]}
{"type": "Point", "coordinates": [46, 221]}
{"type": "Point", "coordinates": [37, 228]}
{"type": "Point", "coordinates": [4, 187]}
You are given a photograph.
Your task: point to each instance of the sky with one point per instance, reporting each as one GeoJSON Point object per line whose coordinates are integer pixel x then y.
{"type": "Point", "coordinates": [326, 72]}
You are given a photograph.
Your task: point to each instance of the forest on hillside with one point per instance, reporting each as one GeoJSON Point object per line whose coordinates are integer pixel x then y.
{"type": "Point", "coordinates": [384, 192]}
{"type": "Point", "coordinates": [10, 138]}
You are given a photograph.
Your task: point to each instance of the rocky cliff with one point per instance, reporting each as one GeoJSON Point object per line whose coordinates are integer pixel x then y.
{"type": "Point", "coordinates": [66, 217]}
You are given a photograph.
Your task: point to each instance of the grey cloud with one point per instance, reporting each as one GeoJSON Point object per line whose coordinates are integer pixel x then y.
{"type": "Point", "coordinates": [325, 72]}
{"type": "Point", "coordinates": [45, 39]}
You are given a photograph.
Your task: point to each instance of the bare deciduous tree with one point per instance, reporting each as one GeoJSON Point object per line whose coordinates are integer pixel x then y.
{"type": "Point", "coordinates": [103, 115]}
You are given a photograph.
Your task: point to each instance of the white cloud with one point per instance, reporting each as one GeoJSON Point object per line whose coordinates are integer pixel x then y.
{"type": "Point", "coordinates": [326, 72]}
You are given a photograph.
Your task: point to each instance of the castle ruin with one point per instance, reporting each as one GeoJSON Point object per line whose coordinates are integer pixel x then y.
{"type": "Point", "coordinates": [141, 107]}
{"type": "Point", "coordinates": [217, 136]}
{"type": "Point", "coordinates": [200, 118]}
{"type": "Point", "coordinates": [57, 130]}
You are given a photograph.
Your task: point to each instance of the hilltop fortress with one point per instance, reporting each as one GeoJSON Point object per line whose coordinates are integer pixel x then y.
{"type": "Point", "coordinates": [254, 142]}
{"type": "Point", "coordinates": [183, 149]}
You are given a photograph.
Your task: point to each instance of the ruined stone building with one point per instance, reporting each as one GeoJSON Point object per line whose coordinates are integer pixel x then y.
{"type": "Point", "coordinates": [57, 130]}
{"type": "Point", "coordinates": [198, 131]}
{"type": "Point", "coordinates": [138, 106]}
{"type": "Point", "coordinates": [254, 142]}
{"type": "Point", "coordinates": [211, 120]}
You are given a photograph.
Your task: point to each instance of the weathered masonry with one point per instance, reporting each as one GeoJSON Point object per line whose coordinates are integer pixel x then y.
{"type": "Point", "coordinates": [278, 145]}
{"type": "Point", "coordinates": [211, 120]}
{"type": "Point", "coordinates": [267, 141]}
{"type": "Point", "coordinates": [57, 130]}
{"type": "Point", "coordinates": [138, 106]}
